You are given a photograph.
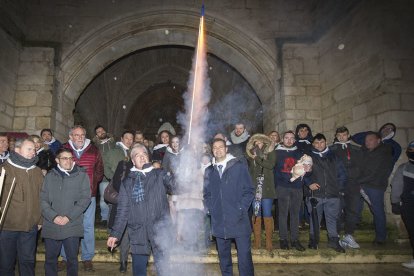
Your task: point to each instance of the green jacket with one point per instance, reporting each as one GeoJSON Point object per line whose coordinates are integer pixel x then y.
{"type": "Point", "coordinates": [111, 159]}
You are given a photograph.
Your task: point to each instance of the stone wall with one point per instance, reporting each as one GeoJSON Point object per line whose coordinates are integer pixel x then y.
{"type": "Point", "coordinates": [9, 64]}
{"type": "Point", "coordinates": [34, 90]}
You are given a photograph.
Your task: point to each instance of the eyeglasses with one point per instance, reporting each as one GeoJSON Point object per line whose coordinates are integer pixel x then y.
{"type": "Point", "coordinates": [66, 158]}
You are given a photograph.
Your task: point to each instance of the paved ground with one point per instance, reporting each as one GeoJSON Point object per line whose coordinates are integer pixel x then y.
{"type": "Point", "coordinates": [111, 269]}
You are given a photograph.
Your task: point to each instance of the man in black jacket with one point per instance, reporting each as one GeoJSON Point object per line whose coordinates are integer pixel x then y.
{"type": "Point", "coordinates": [351, 157]}
{"type": "Point", "coordinates": [328, 182]}
{"type": "Point", "coordinates": [377, 167]}
{"type": "Point", "coordinates": [228, 194]}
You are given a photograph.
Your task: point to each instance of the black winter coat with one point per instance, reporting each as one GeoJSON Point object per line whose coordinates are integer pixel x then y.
{"type": "Point", "coordinates": [228, 199]}
{"type": "Point", "coordinates": [329, 172]}
{"type": "Point", "coordinates": [149, 218]}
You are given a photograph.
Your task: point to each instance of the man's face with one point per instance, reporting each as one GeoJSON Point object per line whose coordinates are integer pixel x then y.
{"type": "Point", "coordinates": [342, 136]}
{"type": "Point", "coordinates": [65, 160]}
{"type": "Point", "coordinates": [146, 143]}
{"type": "Point", "coordinates": [303, 132]}
{"type": "Point", "coordinates": [78, 137]}
{"type": "Point", "coordinates": [27, 150]}
{"type": "Point", "coordinates": [371, 142]}
{"type": "Point", "coordinates": [101, 133]}
{"type": "Point", "coordinates": [289, 140]}
{"type": "Point", "coordinates": [275, 137]}
{"type": "Point", "coordinates": [139, 138]}
{"type": "Point", "coordinates": [319, 145]}
{"type": "Point", "coordinates": [239, 129]}
{"type": "Point", "coordinates": [47, 136]}
{"type": "Point", "coordinates": [4, 144]}
{"type": "Point", "coordinates": [165, 138]}
{"type": "Point", "coordinates": [386, 130]}
{"type": "Point", "coordinates": [175, 144]}
{"type": "Point", "coordinates": [140, 158]}
{"type": "Point", "coordinates": [219, 151]}
{"type": "Point", "coordinates": [127, 140]}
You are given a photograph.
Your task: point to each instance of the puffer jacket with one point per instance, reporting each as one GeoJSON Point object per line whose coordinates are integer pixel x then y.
{"type": "Point", "coordinates": [24, 208]}
{"type": "Point", "coordinates": [91, 160]}
{"type": "Point", "coordinates": [147, 219]}
{"type": "Point", "coordinates": [64, 195]}
{"type": "Point", "coordinates": [228, 199]}
{"type": "Point", "coordinates": [263, 163]}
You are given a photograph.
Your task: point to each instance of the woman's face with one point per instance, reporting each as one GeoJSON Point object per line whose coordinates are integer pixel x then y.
{"type": "Point", "coordinates": [175, 144]}
{"type": "Point", "coordinates": [259, 144]}
{"type": "Point", "coordinates": [37, 143]}
{"type": "Point", "coordinates": [165, 138]}
{"type": "Point", "coordinates": [275, 137]}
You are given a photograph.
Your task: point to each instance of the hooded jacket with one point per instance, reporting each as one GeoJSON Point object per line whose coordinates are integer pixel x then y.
{"type": "Point", "coordinates": [91, 160]}
{"type": "Point", "coordinates": [376, 167]}
{"type": "Point", "coordinates": [64, 195]}
{"type": "Point", "coordinates": [403, 183]}
{"type": "Point", "coordinates": [286, 159]}
{"type": "Point", "coordinates": [24, 208]}
{"type": "Point", "coordinates": [105, 145]}
{"type": "Point", "coordinates": [264, 162]}
{"type": "Point", "coordinates": [329, 172]}
{"type": "Point", "coordinates": [228, 199]}
{"type": "Point", "coordinates": [304, 145]}
{"type": "Point", "coordinates": [148, 219]}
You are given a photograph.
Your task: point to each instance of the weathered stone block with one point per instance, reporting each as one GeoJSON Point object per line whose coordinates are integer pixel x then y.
{"type": "Point", "coordinates": [307, 80]}
{"type": "Point", "coordinates": [328, 123]}
{"type": "Point", "coordinates": [39, 111]}
{"type": "Point", "coordinates": [407, 101]}
{"type": "Point", "coordinates": [311, 66]}
{"type": "Point", "coordinates": [360, 111]}
{"type": "Point", "coordinates": [290, 102]}
{"type": "Point", "coordinates": [307, 52]}
{"type": "Point", "coordinates": [20, 111]}
{"type": "Point", "coordinates": [31, 123]}
{"type": "Point", "coordinates": [9, 110]}
{"type": "Point", "coordinates": [19, 123]}
{"type": "Point", "coordinates": [313, 115]}
{"type": "Point", "coordinates": [343, 91]}
{"type": "Point", "coordinates": [383, 103]}
{"type": "Point", "coordinates": [308, 102]}
{"type": "Point", "coordinates": [25, 98]}
{"type": "Point", "coordinates": [44, 99]}
{"type": "Point", "coordinates": [402, 119]}
{"type": "Point", "coordinates": [295, 114]}
{"type": "Point", "coordinates": [294, 90]}
{"type": "Point", "coordinates": [41, 54]}
{"type": "Point", "coordinates": [392, 69]}
{"type": "Point", "coordinates": [42, 122]}
{"type": "Point", "coordinates": [294, 66]}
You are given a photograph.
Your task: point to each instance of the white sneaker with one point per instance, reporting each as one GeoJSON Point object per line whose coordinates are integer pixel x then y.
{"type": "Point", "coordinates": [409, 264]}
{"type": "Point", "coordinates": [349, 241]}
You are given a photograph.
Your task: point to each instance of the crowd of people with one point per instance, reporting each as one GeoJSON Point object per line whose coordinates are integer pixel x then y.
{"type": "Point", "coordinates": [275, 180]}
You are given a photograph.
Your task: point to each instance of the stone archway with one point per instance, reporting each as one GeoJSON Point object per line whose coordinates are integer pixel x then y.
{"type": "Point", "coordinates": [121, 37]}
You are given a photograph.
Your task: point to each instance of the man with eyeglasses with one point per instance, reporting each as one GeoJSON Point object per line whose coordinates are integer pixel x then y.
{"type": "Point", "coordinates": [64, 197]}
{"type": "Point", "coordinates": [86, 155]}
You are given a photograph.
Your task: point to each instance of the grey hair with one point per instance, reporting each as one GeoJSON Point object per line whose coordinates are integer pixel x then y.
{"type": "Point", "coordinates": [75, 127]}
{"type": "Point", "coordinates": [136, 147]}
{"type": "Point", "coordinates": [20, 142]}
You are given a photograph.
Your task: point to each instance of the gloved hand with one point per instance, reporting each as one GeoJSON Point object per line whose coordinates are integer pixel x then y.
{"type": "Point", "coordinates": [396, 208]}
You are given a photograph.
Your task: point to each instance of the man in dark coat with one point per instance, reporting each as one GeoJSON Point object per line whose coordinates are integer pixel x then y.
{"type": "Point", "coordinates": [143, 208]}
{"type": "Point", "coordinates": [351, 157]}
{"type": "Point", "coordinates": [377, 167]}
{"type": "Point", "coordinates": [328, 183]}
{"type": "Point", "coordinates": [228, 194]}
{"type": "Point", "coordinates": [303, 136]}
{"type": "Point", "coordinates": [64, 197]}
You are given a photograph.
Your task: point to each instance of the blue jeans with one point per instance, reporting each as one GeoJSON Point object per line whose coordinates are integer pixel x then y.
{"type": "Point", "coordinates": [88, 241]}
{"type": "Point", "coordinates": [21, 245]}
{"type": "Point", "coordinates": [52, 253]}
{"type": "Point", "coordinates": [329, 207]}
{"type": "Point", "coordinates": [377, 209]}
{"type": "Point", "coordinates": [102, 204]}
{"type": "Point", "coordinates": [265, 208]}
{"type": "Point", "coordinates": [244, 256]}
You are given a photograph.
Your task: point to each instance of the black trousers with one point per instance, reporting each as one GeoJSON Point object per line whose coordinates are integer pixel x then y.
{"type": "Point", "coordinates": [407, 215]}
{"type": "Point", "coordinates": [352, 201]}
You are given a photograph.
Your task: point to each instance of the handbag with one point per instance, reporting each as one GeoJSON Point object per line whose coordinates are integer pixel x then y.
{"type": "Point", "coordinates": [110, 194]}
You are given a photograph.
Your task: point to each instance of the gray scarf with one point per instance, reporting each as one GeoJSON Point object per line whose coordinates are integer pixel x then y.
{"type": "Point", "coordinates": [21, 161]}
